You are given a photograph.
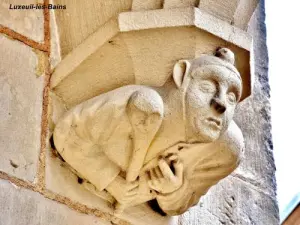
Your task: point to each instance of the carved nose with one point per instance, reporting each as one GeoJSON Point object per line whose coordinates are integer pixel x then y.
{"type": "Point", "coordinates": [218, 105]}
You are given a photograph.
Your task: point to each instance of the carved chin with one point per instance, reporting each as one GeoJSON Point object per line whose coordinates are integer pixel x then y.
{"type": "Point", "coordinates": [208, 136]}
{"type": "Point", "coordinates": [207, 132]}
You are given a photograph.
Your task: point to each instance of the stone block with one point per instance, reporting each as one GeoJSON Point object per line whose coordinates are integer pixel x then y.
{"type": "Point", "coordinates": [80, 20]}
{"type": "Point", "coordinates": [180, 3]}
{"type": "Point", "coordinates": [21, 97]}
{"type": "Point", "coordinates": [140, 5]}
{"type": "Point", "coordinates": [21, 206]}
{"type": "Point", "coordinates": [230, 202]}
{"type": "Point", "coordinates": [55, 54]}
{"type": "Point", "coordinates": [62, 181]}
{"type": "Point", "coordinates": [28, 22]}
{"type": "Point", "coordinates": [223, 9]}
{"type": "Point", "coordinates": [244, 12]}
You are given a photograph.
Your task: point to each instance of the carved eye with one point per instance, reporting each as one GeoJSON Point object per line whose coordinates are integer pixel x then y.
{"type": "Point", "coordinates": [231, 97]}
{"type": "Point", "coordinates": [207, 86]}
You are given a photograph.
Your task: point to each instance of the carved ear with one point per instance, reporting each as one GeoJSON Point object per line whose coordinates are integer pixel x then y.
{"type": "Point", "coordinates": [180, 71]}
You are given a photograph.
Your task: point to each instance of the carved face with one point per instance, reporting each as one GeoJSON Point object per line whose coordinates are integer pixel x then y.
{"type": "Point", "coordinates": [211, 98]}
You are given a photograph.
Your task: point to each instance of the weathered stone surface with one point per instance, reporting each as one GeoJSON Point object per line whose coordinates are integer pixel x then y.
{"type": "Point", "coordinates": [28, 22]}
{"type": "Point", "coordinates": [136, 53]}
{"type": "Point", "coordinates": [20, 206]}
{"type": "Point", "coordinates": [139, 5]}
{"type": "Point", "coordinates": [21, 100]}
{"type": "Point", "coordinates": [255, 182]}
{"type": "Point", "coordinates": [233, 202]}
{"type": "Point", "coordinates": [248, 196]}
{"type": "Point", "coordinates": [90, 144]}
{"type": "Point", "coordinates": [223, 9]}
{"type": "Point", "coordinates": [257, 165]}
{"type": "Point", "coordinates": [55, 54]}
{"type": "Point", "coordinates": [244, 12]}
{"type": "Point", "coordinates": [61, 180]}
{"type": "Point", "coordinates": [180, 3]}
{"type": "Point", "coordinates": [82, 19]}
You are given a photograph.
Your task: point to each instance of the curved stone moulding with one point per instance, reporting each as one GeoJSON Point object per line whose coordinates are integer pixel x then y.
{"type": "Point", "coordinates": [188, 16]}
{"type": "Point", "coordinates": [156, 32]}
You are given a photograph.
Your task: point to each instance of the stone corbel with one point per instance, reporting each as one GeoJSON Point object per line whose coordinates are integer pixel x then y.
{"type": "Point", "coordinates": [137, 128]}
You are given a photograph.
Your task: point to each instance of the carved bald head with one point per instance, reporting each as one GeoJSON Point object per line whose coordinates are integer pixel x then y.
{"type": "Point", "coordinates": [212, 88]}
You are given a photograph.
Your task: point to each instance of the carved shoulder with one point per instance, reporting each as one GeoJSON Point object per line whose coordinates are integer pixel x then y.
{"type": "Point", "coordinates": [147, 100]}
{"type": "Point", "coordinates": [145, 109]}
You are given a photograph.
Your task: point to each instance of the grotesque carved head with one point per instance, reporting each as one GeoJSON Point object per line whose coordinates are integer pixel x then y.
{"type": "Point", "coordinates": [212, 88]}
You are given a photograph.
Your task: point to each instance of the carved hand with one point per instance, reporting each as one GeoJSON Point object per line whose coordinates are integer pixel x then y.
{"type": "Point", "coordinates": [123, 191]}
{"type": "Point", "coordinates": [163, 179]}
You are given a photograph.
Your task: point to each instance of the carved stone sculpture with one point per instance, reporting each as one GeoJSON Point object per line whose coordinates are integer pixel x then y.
{"type": "Point", "coordinates": [166, 144]}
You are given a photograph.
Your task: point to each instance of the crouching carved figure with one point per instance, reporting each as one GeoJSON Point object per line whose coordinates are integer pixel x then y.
{"type": "Point", "coordinates": [166, 144]}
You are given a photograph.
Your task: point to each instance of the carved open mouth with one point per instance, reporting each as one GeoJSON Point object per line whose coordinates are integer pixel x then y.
{"type": "Point", "coordinates": [214, 122]}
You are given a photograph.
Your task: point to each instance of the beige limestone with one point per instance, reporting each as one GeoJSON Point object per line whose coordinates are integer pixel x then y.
{"type": "Point", "coordinates": [153, 56]}
{"type": "Point", "coordinates": [146, 57]}
{"type": "Point", "coordinates": [180, 3]}
{"type": "Point", "coordinates": [159, 18]}
{"type": "Point", "coordinates": [21, 109]}
{"type": "Point", "coordinates": [61, 180]}
{"type": "Point", "coordinates": [106, 60]}
{"type": "Point", "coordinates": [222, 29]}
{"type": "Point", "coordinates": [128, 129]}
{"type": "Point", "coordinates": [29, 23]}
{"type": "Point", "coordinates": [20, 206]}
{"type": "Point", "coordinates": [55, 52]}
{"type": "Point", "coordinates": [244, 13]}
{"type": "Point", "coordinates": [139, 5]}
{"type": "Point", "coordinates": [223, 9]}
{"type": "Point", "coordinates": [187, 16]}
{"type": "Point", "coordinates": [84, 50]}
{"type": "Point", "coordinates": [148, 36]}
{"type": "Point", "coordinates": [235, 12]}
{"type": "Point", "coordinates": [130, 48]}
{"type": "Point", "coordinates": [225, 203]}
{"type": "Point", "coordinates": [83, 18]}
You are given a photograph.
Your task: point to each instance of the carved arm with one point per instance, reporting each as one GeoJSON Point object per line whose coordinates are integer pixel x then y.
{"type": "Point", "coordinates": [145, 111]}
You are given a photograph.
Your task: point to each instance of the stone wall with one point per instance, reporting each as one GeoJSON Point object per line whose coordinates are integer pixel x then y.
{"type": "Point", "coordinates": [30, 193]}
{"type": "Point", "coordinates": [24, 86]}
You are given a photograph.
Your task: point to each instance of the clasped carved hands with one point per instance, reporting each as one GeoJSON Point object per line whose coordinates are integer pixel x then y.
{"type": "Point", "coordinates": [123, 191]}
{"type": "Point", "coordinates": [167, 177]}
